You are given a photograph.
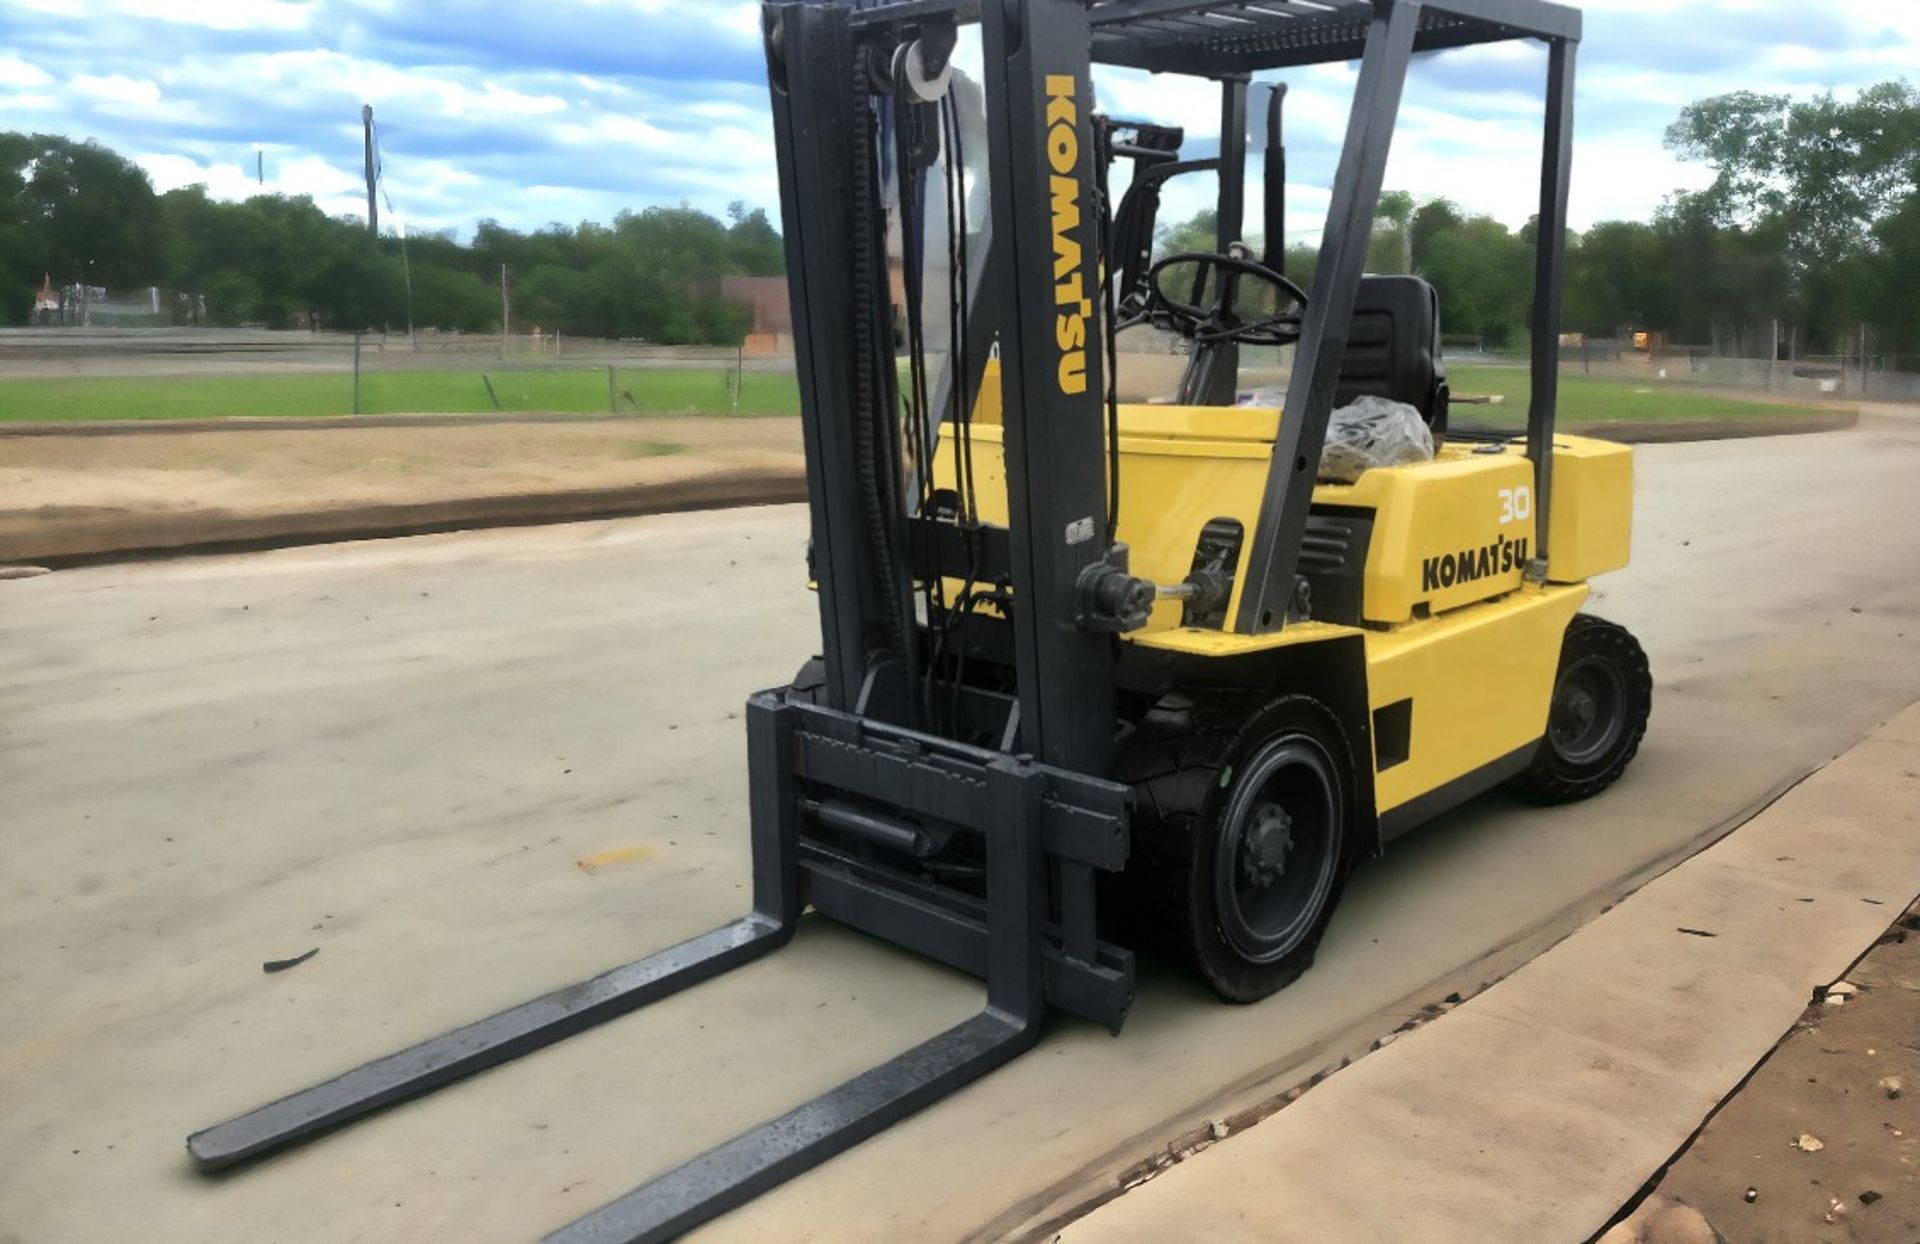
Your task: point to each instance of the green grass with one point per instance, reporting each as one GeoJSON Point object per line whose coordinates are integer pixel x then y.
{"type": "Point", "coordinates": [702, 391]}
{"type": "Point", "coordinates": [1591, 399]}
{"type": "Point", "coordinates": [641, 391]}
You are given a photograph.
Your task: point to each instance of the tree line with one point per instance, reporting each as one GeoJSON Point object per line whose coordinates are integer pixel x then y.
{"type": "Point", "coordinates": [1812, 219]}
{"type": "Point", "coordinates": [80, 213]}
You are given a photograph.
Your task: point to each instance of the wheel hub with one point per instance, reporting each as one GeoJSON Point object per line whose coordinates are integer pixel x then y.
{"type": "Point", "coordinates": [1586, 717]}
{"type": "Point", "coordinates": [1581, 710]}
{"type": "Point", "coordinates": [1269, 838]}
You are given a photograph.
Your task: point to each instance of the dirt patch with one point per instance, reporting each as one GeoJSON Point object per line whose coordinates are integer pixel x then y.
{"type": "Point", "coordinates": [83, 497]}
{"type": "Point", "coordinates": [1648, 432]}
{"type": "Point", "coordinates": [1823, 1141]}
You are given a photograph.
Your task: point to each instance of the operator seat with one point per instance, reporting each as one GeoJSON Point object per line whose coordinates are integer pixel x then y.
{"type": "Point", "coordinates": [1393, 349]}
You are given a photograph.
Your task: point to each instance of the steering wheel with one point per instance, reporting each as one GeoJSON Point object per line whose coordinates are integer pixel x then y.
{"type": "Point", "coordinates": [1217, 279]}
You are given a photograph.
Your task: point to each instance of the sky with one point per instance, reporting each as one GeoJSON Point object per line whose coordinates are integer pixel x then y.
{"type": "Point", "coordinates": [571, 110]}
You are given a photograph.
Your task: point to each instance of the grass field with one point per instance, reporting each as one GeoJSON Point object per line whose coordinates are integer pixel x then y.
{"type": "Point", "coordinates": [1588, 399]}
{"type": "Point", "coordinates": [641, 391]}
{"type": "Point", "coordinates": [700, 391]}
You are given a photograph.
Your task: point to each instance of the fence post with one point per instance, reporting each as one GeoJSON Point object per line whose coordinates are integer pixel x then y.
{"type": "Point", "coordinates": [356, 373]}
{"type": "Point", "coordinates": [739, 373]}
{"type": "Point", "coordinates": [1773, 355]}
{"type": "Point", "coordinates": [613, 391]}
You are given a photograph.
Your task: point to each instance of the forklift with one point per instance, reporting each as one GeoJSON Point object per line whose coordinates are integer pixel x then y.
{"type": "Point", "coordinates": [1098, 676]}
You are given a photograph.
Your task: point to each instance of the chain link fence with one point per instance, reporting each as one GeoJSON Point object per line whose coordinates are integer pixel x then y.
{"type": "Point", "coordinates": [104, 373]}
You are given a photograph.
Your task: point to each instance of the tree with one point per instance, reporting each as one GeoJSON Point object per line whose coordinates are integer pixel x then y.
{"type": "Point", "coordinates": [78, 211]}
{"type": "Point", "coordinates": [1391, 247]}
{"type": "Point", "coordinates": [1430, 219]}
{"type": "Point", "coordinates": [1801, 204]}
{"type": "Point", "coordinates": [1200, 233]}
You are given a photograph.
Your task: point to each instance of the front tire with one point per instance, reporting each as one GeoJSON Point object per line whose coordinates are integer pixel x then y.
{"type": "Point", "coordinates": [1602, 696]}
{"type": "Point", "coordinates": [1243, 835]}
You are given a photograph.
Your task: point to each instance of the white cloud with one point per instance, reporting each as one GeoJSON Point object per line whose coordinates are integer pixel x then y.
{"type": "Point", "coordinates": [574, 109]}
{"type": "Point", "coordinates": [115, 88]}
{"type": "Point", "coordinates": [36, 103]}
{"type": "Point", "coordinates": [223, 14]}
{"type": "Point", "coordinates": [21, 75]}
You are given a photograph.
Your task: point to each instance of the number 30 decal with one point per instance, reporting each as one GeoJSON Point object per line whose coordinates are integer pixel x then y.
{"type": "Point", "coordinates": [1516, 504]}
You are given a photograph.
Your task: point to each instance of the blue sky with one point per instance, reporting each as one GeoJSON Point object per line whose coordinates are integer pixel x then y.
{"type": "Point", "coordinates": [567, 110]}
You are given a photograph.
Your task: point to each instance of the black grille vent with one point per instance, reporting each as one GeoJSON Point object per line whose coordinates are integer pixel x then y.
{"type": "Point", "coordinates": [1326, 546]}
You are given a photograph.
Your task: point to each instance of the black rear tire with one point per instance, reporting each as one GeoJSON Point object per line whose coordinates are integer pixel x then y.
{"type": "Point", "coordinates": [1602, 697]}
{"type": "Point", "coordinates": [1243, 835]}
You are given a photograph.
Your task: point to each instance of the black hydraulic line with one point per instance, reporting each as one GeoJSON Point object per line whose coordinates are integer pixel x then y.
{"type": "Point", "coordinates": [961, 358]}
{"type": "Point", "coordinates": [1102, 163]}
{"type": "Point", "coordinates": [875, 414]}
{"type": "Point", "coordinates": [912, 261]}
{"type": "Point", "coordinates": [907, 182]}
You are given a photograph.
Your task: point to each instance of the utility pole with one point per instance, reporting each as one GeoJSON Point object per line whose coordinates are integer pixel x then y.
{"type": "Point", "coordinates": [506, 312]}
{"type": "Point", "coordinates": [406, 267]}
{"type": "Point", "coordinates": [260, 165]}
{"type": "Point", "coordinates": [373, 208]}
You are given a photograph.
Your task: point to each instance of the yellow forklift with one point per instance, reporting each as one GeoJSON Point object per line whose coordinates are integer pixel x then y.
{"type": "Point", "coordinates": [1098, 676]}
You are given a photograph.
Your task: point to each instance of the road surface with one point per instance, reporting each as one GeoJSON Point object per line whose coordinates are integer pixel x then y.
{"type": "Point", "coordinates": [470, 768]}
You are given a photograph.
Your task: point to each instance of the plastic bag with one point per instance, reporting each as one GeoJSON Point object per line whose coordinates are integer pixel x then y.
{"type": "Point", "coordinates": [1370, 432]}
{"type": "Point", "coordinates": [1373, 432]}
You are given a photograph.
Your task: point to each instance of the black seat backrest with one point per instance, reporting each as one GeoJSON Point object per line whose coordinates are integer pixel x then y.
{"type": "Point", "coordinates": [1393, 348]}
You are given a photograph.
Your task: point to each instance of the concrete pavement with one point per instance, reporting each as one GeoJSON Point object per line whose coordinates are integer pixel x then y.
{"type": "Point", "coordinates": [401, 751]}
{"type": "Point", "coordinates": [1537, 1109]}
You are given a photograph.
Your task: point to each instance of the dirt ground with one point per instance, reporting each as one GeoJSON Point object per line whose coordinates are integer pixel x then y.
{"type": "Point", "coordinates": [1823, 1142]}
{"type": "Point", "coordinates": [70, 495]}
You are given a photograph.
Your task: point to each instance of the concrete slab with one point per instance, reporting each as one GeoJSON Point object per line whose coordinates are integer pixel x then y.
{"type": "Point", "coordinates": [410, 744]}
{"type": "Point", "coordinates": [1536, 1110]}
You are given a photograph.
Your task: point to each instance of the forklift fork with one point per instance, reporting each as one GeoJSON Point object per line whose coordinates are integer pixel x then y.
{"type": "Point", "coordinates": [724, 1177]}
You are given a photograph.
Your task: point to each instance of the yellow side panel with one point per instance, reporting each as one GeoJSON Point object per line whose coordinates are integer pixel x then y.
{"type": "Point", "coordinates": [1592, 508]}
{"type": "Point", "coordinates": [1479, 678]}
{"type": "Point", "coordinates": [1175, 479]}
{"type": "Point", "coordinates": [1446, 533]}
